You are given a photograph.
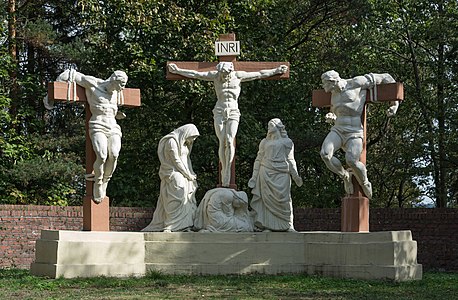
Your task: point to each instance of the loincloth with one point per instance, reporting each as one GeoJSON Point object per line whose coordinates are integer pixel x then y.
{"type": "Point", "coordinates": [107, 129]}
{"type": "Point", "coordinates": [347, 133]}
{"type": "Point", "coordinates": [226, 113]}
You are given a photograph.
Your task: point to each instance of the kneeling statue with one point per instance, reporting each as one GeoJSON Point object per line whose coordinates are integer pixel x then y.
{"type": "Point", "coordinates": [223, 210]}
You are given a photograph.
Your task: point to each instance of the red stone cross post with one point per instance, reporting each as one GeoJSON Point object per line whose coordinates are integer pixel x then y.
{"type": "Point", "coordinates": [355, 207]}
{"type": "Point", "coordinates": [238, 66]}
{"type": "Point", "coordinates": [96, 217]}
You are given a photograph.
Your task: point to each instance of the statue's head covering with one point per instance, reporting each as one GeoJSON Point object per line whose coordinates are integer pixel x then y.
{"type": "Point", "coordinates": [279, 124]}
{"type": "Point", "coordinates": [179, 135]}
{"type": "Point", "coordinates": [241, 195]}
{"type": "Point", "coordinates": [184, 132]}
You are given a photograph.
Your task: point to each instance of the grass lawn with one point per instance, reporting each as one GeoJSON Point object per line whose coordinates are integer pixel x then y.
{"type": "Point", "coordinates": [19, 284]}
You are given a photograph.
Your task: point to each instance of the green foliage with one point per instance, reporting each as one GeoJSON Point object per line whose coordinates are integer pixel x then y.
{"type": "Point", "coordinates": [410, 157]}
{"type": "Point", "coordinates": [419, 38]}
{"type": "Point", "coordinates": [48, 176]}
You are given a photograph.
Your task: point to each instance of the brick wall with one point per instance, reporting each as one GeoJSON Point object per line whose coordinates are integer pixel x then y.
{"type": "Point", "coordinates": [21, 225]}
{"type": "Point", "coordinates": [435, 230]}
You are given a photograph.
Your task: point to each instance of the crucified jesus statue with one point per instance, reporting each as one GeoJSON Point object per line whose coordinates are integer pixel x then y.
{"type": "Point", "coordinates": [226, 114]}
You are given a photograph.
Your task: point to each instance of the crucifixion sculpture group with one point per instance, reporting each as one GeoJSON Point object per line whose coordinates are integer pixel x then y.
{"type": "Point", "coordinates": [346, 99]}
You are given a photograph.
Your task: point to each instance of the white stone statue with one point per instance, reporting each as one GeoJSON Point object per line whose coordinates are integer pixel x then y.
{"type": "Point", "coordinates": [223, 210]}
{"type": "Point", "coordinates": [226, 114]}
{"type": "Point", "coordinates": [105, 133]}
{"type": "Point", "coordinates": [347, 102]}
{"type": "Point", "coordinates": [271, 181]}
{"type": "Point", "coordinates": [176, 205]}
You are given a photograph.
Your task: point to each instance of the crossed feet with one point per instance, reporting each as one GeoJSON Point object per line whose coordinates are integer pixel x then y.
{"type": "Point", "coordinates": [348, 185]}
{"type": "Point", "coordinates": [99, 188]}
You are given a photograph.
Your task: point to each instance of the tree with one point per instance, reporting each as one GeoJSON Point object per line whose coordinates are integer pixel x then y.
{"type": "Point", "coordinates": [421, 35]}
{"type": "Point", "coordinates": [410, 157]}
{"type": "Point", "coordinates": [35, 168]}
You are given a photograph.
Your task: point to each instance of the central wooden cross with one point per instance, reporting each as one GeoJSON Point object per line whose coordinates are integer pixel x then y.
{"type": "Point", "coordinates": [355, 207]}
{"type": "Point", "coordinates": [96, 217]}
{"type": "Point", "coordinates": [238, 66]}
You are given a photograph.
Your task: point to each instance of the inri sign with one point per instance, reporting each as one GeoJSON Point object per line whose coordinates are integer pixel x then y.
{"type": "Point", "coordinates": [227, 48]}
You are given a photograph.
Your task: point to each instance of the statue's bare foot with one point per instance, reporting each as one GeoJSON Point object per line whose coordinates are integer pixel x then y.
{"type": "Point", "coordinates": [104, 187]}
{"type": "Point", "coordinates": [98, 192]}
{"type": "Point", "coordinates": [367, 189]}
{"type": "Point", "coordinates": [97, 200]}
{"type": "Point", "coordinates": [348, 185]}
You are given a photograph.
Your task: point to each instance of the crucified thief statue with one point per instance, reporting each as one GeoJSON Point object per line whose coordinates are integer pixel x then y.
{"type": "Point", "coordinates": [105, 133]}
{"type": "Point", "coordinates": [226, 114]}
{"type": "Point", "coordinates": [348, 98]}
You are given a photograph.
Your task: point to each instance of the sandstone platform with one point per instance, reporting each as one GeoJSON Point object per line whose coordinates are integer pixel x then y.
{"type": "Point", "coordinates": [370, 255]}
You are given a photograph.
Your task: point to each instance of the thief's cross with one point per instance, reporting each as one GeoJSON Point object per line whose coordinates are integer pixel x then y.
{"type": "Point", "coordinates": [96, 217]}
{"type": "Point", "coordinates": [227, 86]}
{"type": "Point", "coordinates": [355, 207]}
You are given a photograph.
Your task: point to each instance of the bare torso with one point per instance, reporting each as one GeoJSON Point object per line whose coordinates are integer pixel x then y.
{"type": "Point", "coordinates": [348, 106]}
{"type": "Point", "coordinates": [227, 92]}
{"type": "Point", "coordinates": [103, 105]}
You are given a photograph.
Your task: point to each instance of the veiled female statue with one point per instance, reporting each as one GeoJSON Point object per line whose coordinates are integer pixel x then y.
{"type": "Point", "coordinates": [176, 206]}
{"type": "Point", "coordinates": [271, 181]}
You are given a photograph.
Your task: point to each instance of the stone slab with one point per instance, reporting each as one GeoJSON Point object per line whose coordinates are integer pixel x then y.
{"type": "Point", "coordinates": [87, 254]}
{"type": "Point", "coordinates": [371, 255]}
{"type": "Point", "coordinates": [395, 273]}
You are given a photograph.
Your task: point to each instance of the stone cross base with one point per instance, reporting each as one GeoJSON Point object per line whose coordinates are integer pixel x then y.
{"type": "Point", "coordinates": [376, 255]}
{"type": "Point", "coordinates": [355, 214]}
{"type": "Point", "coordinates": [96, 217]}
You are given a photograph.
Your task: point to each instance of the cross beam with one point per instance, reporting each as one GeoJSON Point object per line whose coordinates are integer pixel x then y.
{"type": "Point", "coordinates": [385, 92]}
{"type": "Point", "coordinates": [248, 66]}
{"type": "Point", "coordinates": [96, 217]}
{"type": "Point", "coordinates": [355, 208]}
{"type": "Point", "coordinates": [57, 91]}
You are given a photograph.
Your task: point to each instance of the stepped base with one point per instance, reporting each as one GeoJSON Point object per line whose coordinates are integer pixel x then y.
{"type": "Point", "coordinates": [72, 254]}
{"type": "Point", "coordinates": [375, 255]}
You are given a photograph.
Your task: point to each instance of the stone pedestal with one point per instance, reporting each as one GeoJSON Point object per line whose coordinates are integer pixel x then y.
{"type": "Point", "coordinates": [355, 214]}
{"type": "Point", "coordinates": [96, 217]}
{"type": "Point", "coordinates": [72, 254]}
{"type": "Point", "coordinates": [376, 255]}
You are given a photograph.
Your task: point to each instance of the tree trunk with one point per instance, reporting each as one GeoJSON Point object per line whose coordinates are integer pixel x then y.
{"type": "Point", "coordinates": [426, 115]}
{"type": "Point", "coordinates": [12, 49]}
{"type": "Point", "coordinates": [441, 188]}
